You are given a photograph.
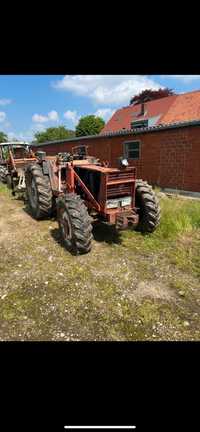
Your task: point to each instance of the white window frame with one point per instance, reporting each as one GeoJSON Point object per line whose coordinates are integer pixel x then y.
{"type": "Point", "coordinates": [126, 150]}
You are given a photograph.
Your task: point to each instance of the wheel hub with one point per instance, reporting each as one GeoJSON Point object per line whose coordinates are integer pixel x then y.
{"type": "Point", "coordinates": [33, 194]}
{"type": "Point", "coordinates": [65, 225]}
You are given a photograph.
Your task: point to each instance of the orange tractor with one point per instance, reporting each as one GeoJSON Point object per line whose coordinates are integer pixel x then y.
{"type": "Point", "coordinates": [83, 189]}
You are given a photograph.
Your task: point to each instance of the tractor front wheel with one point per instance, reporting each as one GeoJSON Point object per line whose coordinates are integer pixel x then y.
{"type": "Point", "coordinates": [74, 223]}
{"type": "Point", "coordinates": [149, 209]}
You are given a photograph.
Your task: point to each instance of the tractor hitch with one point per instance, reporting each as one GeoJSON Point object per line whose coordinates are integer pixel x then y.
{"type": "Point", "coordinates": [126, 219]}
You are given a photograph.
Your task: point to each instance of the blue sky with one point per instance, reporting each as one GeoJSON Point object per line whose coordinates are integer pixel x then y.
{"type": "Point", "coordinates": [29, 103]}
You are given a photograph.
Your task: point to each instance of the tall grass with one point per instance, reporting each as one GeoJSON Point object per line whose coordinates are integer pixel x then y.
{"type": "Point", "coordinates": [178, 217]}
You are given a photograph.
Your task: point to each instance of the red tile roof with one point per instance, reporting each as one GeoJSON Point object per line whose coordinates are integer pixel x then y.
{"type": "Point", "coordinates": [171, 109]}
{"type": "Point", "coordinates": [186, 107]}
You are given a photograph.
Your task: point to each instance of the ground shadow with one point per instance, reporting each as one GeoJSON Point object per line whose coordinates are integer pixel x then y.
{"type": "Point", "coordinates": [106, 233]}
{"type": "Point", "coordinates": [27, 210]}
{"type": "Point", "coordinates": [101, 233]}
{"type": "Point", "coordinates": [55, 234]}
{"type": "Point", "coordinates": [18, 197]}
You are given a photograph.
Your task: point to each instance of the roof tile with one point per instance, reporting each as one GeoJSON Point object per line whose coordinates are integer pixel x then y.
{"type": "Point", "coordinates": [171, 109]}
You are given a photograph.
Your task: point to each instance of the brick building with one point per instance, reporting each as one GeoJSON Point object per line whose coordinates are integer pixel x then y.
{"type": "Point", "coordinates": [161, 138]}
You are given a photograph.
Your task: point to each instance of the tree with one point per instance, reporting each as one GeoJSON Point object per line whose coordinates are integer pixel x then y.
{"type": "Point", "coordinates": [54, 133]}
{"type": "Point", "coordinates": [89, 125]}
{"type": "Point", "coordinates": [3, 137]}
{"type": "Point", "coordinates": [150, 94]}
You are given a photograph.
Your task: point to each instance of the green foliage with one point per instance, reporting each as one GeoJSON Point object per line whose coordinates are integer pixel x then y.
{"type": "Point", "coordinates": [3, 137]}
{"type": "Point", "coordinates": [54, 133]}
{"type": "Point", "coordinates": [89, 125]}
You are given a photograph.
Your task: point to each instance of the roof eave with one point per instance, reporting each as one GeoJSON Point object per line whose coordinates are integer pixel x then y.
{"type": "Point", "coordinates": [156, 128]}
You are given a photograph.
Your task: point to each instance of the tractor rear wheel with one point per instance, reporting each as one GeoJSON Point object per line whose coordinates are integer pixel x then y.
{"type": "Point", "coordinates": [149, 209]}
{"type": "Point", "coordinates": [74, 223]}
{"type": "Point", "coordinates": [3, 173]}
{"type": "Point", "coordinates": [39, 192]}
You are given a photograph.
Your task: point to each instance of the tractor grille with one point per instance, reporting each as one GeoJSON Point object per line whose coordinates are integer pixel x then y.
{"type": "Point", "coordinates": [120, 176]}
{"type": "Point", "coordinates": [120, 184]}
{"type": "Point", "coordinates": [119, 190]}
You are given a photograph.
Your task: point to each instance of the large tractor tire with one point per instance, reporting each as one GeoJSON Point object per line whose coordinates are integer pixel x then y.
{"type": "Point", "coordinates": [3, 174]}
{"type": "Point", "coordinates": [74, 223]}
{"type": "Point", "coordinates": [149, 209]}
{"type": "Point", "coordinates": [39, 192]}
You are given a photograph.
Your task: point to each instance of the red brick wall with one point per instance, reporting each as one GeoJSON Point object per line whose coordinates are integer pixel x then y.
{"type": "Point", "coordinates": [169, 158]}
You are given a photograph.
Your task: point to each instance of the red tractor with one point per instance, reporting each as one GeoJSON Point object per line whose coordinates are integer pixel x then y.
{"type": "Point", "coordinates": [14, 156]}
{"type": "Point", "coordinates": [82, 189]}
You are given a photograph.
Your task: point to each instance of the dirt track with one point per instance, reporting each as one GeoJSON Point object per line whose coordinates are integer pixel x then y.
{"type": "Point", "coordinates": [114, 293]}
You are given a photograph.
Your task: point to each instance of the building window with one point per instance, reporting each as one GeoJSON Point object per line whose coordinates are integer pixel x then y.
{"type": "Point", "coordinates": [132, 149]}
{"type": "Point", "coordinates": [138, 124]}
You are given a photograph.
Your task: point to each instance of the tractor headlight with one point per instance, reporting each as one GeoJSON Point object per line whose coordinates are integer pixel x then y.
{"type": "Point", "coordinates": [112, 203]}
{"type": "Point", "coordinates": [124, 162]}
{"type": "Point", "coordinates": [120, 202]}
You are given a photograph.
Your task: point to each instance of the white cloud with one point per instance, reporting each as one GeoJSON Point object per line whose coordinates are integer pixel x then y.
{"type": "Point", "coordinates": [105, 113]}
{"type": "Point", "coordinates": [11, 135]}
{"type": "Point", "coordinates": [72, 116]}
{"type": "Point", "coordinates": [5, 101]}
{"type": "Point", "coordinates": [21, 136]}
{"type": "Point", "coordinates": [2, 116]}
{"type": "Point", "coordinates": [51, 116]}
{"type": "Point", "coordinates": [106, 89]}
{"type": "Point", "coordinates": [39, 118]}
{"type": "Point", "coordinates": [7, 124]}
{"type": "Point", "coordinates": [28, 134]}
{"type": "Point", "coordinates": [25, 136]}
{"type": "Point", "coordinates": [39, 127]}
{"type": "Point", "coordinates": [183, 78]}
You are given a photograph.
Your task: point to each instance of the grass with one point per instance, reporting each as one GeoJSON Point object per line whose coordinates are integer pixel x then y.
{"type": "Point", "coordinates": [130, 287]}
{"type": "Point", "coordinates": [178, 218]}
{"type": "Point", "coordinates": [3, 188]}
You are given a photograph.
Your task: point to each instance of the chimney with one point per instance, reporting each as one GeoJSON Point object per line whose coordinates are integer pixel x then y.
{"type": "Point", "coordinates": [142, 109]}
